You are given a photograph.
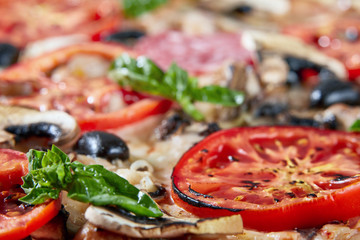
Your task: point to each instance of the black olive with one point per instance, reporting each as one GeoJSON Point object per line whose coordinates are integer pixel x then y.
{"type": "Point", "coordinates": [41, 129]}
{"type": "Point", "coordinates": [298, 64]}
{"type": "Point", "coordinates": [243, 9]}
{"type": "Point", "coordinates": [347, 96]}
{"type": "Point", "coordinates": [325, 75]}
{"type": "Point", "coordinates": [333, 91]}
{"type": "Point", "coordinates": [8, 54]}
{"type": "Point", "coordinates": [270, 110]}
{"type": "Point", "coordinates": [293, 78]}
{"type": "Point", "coordinates": [127, 37]}
{"type": "Point", "coordinates": [305, 122]}
{"type": "Point", "coordinates": [102, 144]}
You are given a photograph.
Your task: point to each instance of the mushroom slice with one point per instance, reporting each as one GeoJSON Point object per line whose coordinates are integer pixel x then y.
{"type": "Point", "coordinates": [345, 115]}
{"type": "Point", "coordinates": [292, 46]}
{"type": "Point", "coordinates": [123, 222]}
{"type": "Point", "coordinates": [19, 123]}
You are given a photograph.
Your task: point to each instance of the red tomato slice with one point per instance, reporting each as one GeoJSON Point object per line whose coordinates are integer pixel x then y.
{"type": "Point", "coordinates": [14, 165]}
{"type": "Point", "coordinates": [196, 54]}
{"type": "Point", "coordinates": [277, 178]}
{"type": "Point", "coordinates": [89, 100]}
{"type": "Point", "coordinates": [133, 113]}
{"type": "Point", "coordinates": [17, 219]}
{"type": "Point", "coordinates": [27, 21]}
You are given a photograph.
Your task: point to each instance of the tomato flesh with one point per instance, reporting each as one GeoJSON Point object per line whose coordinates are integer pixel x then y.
{"type": "Point", "coordinates": [277, 178]}
{"type": "Point", "coordinates": [131, 114]}
{"type": "Point", "coordinates": [13, 166]}
{"type": "Point", "coordinates": [26, 21]}
{"type": "Point", "coordinates": [94, 102]}
{"type": "Point", "coordinates": [17, 219]}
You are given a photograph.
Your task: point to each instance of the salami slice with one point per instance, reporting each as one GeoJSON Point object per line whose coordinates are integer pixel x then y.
{"type": "Point", "coordinates": [196, 54]}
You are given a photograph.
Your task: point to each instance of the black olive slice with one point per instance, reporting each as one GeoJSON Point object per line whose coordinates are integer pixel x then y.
{"type": "Point", "coordinates": [102, 144]}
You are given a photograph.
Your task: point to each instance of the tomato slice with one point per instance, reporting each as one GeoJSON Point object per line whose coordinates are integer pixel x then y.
{"type": "Point", "coordinates": [14, 165]}
{"type": "Point", "coordinates": [96, 102]}
{"type": "Point", "coordinates": [277, 178]}
{"type": "Point", "coordinates": [27, 21]}
{"type": "Point", "coordinates": [17, 219]}
{"type": "Point", "coordinates": [133, 113]}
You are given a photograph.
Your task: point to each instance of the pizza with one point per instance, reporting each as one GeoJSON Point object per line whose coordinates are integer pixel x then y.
{"type": "Point", "coordinates": [176, 119]}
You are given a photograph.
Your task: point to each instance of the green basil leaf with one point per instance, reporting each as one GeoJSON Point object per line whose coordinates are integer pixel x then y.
{"type": "Point", "coordinates": [52, 171]}
{"type": "Point", "coordinates": [39, 195]}
{"type": "Point", "coordinates": [355, 127]}
{"type": "Point", "coordinates": [98, 186]}
{"type": "Point", "coordinates": [143, 75]}
{"type": "Point", "coordinates": [134, 8]}
{"type": "Point", "coordinates": [219, 95]}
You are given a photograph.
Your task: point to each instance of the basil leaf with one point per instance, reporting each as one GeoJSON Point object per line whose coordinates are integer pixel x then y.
{"type": "Point", "coordinates": [219, 95]}
{"type": "Point", "coordinates": [355, 127]}
{"type": "Point", "coordinates": [51, 172]}
{"type": "Point", "coordinates": [39, 195]}
{"type": "Point", "coordinates": [143, 75]}
{"type": "Point", "coordinates": [134, 8]}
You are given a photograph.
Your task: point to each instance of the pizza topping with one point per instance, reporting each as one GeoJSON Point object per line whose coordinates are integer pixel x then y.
{"type": "Point", "coordinates": [127, 37]}
{"type": "Point", "coordinates": [195, 54]}
{"type": "Point", "coordinates": [293, 47]}
{"type": "Point", "coordinates": [270, 109]}
{"type": "Point", "coordinates": [143, 75]}
{"type": "Point", "coordinates": [52, 171]}
{"type": "Point", "coordinates": [344, 115]}
{"type": "Point", "coordinates": [102, 144]}
{"type": "Point", "coordinates": [18, 219]}
{"type": "Point", "coordinates": [28, 124]}
{"type": "Point", "coordinates": [8, 54]}
{"type": "Point", "coordinates": [25, 22]}
{"type": "Point", "coordinates": [134, 8]}
{"type": "Point", "coordinates": [165, 227]}
{"type": "Point", "coordinates": [268, 175]}
{"type": "Point", "coordinates": [234, 75]}
{"type": "Point", "coordinates": [332, 91]}
{"type": "Point", "coordinates": [176, 123]}
{"type": "Point", "coordinates": [278, 7]}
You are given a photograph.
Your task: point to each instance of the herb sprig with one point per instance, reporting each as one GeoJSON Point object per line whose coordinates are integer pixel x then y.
{"type": "Point", "coordinates": [143, 75]}
{"type": "Point", "coordinates": [355, 127]}
{"type": "Point", "coordinates": [52, 171]}
{"type": "Point", "coordinates": [134, 8]}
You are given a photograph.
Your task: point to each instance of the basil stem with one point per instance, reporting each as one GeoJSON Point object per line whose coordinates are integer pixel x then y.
{"type": "Point", "coordinates": [143, 75]}
{"type": "Point", "coordinates": [52, 171]}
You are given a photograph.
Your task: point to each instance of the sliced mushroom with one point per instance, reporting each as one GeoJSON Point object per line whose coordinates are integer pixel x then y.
{"type": "Point", "coordinates": [141, 227]}
{"type": "Point", "coordinates": [345, 115]}
{"type": "Point", "coordinates": [292, 46]}
{"type": "Point", "coordinates": [19, 123]}
{"type": "Point", "coordinates": [273, 71]}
